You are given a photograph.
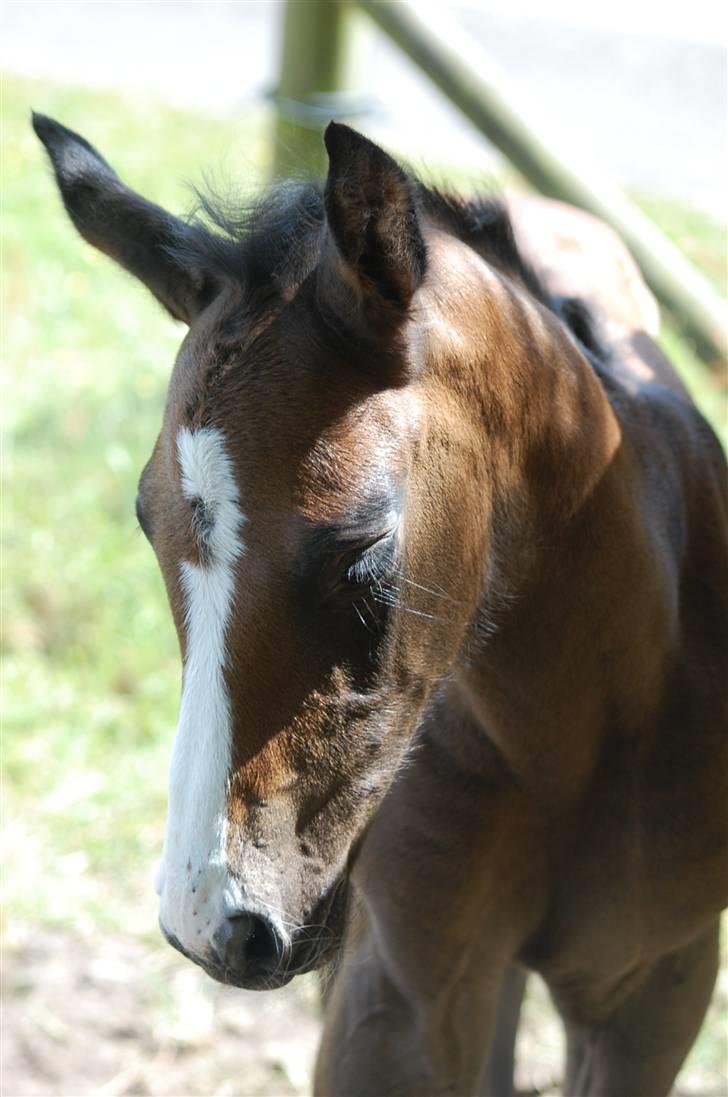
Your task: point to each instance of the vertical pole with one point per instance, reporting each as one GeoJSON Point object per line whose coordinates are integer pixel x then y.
{"type": "Point", "coordinates": [311, 74]}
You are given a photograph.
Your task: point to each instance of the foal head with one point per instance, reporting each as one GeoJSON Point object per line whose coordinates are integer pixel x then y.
{"type": "Point", "coordinates": [315, 501]}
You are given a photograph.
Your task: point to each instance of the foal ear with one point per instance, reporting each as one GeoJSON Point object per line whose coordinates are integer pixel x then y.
{"type": "Point", "coordinates": [371, 211]}
{"type": "Point", "coordinates": [136, 233]}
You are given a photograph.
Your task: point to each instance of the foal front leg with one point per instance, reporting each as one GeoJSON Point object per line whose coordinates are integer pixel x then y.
{"type": "Point", "coordinates": [383, 1039]}
{"type": "Point", "coordinates": [639, 1048]}
{"type": "Point", "coordinates": [497, 1078]}
{"type": "Point", "coordinates": [448, 896]}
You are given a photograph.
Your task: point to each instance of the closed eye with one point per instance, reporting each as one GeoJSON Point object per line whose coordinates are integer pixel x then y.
{"type": "Point", "coordinates": [372, 565]}
{"type": "Point", "coordinates": [338, 567]}
{"type": "Point", "coordinates": [362, 580]}
{"type": "Point", "coordinates": [142, 520]}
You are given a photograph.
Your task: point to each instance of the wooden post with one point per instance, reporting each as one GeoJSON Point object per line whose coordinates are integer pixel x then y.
{"type": "Point", "coordinates": [466, 75]}
{"type": "Point", "coordinates": [311, 75]}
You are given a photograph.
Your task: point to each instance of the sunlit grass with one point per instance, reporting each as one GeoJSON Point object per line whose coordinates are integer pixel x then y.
{"type": "Point", "coordinates": [90, 662]}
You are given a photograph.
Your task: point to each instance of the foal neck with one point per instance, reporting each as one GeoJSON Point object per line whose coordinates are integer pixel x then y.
{"type": "Point", "coordinates": [571, 607]}
{"type": "Point", "coordinates": [545, 424]}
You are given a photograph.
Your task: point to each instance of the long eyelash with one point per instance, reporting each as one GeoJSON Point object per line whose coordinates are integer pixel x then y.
{"type": "Point", "coordinates": [388, 594]}
{"type": "Point", "coordinates": [372, 573]}
{"type": "Point", "coordinates": [440, 593]}
{"type": "Point", "coordinates": [385, 593]}
{"type": "Point", "coordinates": [357, 611]}
{"type": "Point", "coordinates": [368, 569]}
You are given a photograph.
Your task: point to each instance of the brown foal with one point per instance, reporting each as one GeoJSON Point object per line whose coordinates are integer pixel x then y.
{"type": "Point", "coordinates": [448, 571]}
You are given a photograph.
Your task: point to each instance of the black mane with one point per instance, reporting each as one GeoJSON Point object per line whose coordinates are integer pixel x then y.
{"type": "Point", "coordinates": [273, 243]}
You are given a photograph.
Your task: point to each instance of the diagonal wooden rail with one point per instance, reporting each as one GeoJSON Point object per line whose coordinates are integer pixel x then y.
{"type": "Point", "coordinates": [469, 79]}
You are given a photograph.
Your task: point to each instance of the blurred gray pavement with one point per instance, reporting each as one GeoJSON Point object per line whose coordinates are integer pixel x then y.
{"type": "Point", "coordinates": [638, 92]}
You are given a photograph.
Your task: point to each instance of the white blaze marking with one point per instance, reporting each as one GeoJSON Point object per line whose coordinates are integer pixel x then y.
{"type": "Point", "coordinates": [194, 849]}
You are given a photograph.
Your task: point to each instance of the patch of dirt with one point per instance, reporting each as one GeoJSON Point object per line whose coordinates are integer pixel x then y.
{"type": "Point", "coordinates": [116, 1017]}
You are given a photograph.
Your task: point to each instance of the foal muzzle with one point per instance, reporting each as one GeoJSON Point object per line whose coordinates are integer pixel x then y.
{"type": "Point", "coordinates": [250, 950]}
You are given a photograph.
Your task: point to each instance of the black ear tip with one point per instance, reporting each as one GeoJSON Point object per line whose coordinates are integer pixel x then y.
{"type": "Point", "coordinates": [337, 136]}
{"type": "Point", "coordinates": [71, 154]}
{"type": "Point", "coordinates": [43, 126]}
{"type": "Point", "coordinates": [53, 134]}
{"type": "Point", "coordinates": [344, 143]}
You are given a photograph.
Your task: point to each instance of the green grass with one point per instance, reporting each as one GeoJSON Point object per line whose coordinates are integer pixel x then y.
{"type": "Point", "coordinates": [705, 243]}
{"type": "Point", "coordinates": [703, 240]}
{"type": "Point", "coordinates": [90, 663]}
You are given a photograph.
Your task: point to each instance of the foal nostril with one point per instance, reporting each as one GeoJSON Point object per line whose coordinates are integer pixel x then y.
{"type": "Point", "coordinates": [248, 942]}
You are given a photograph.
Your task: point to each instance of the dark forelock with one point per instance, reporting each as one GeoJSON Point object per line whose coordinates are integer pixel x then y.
{"type": "Point", "coordinates": [273, 243]}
